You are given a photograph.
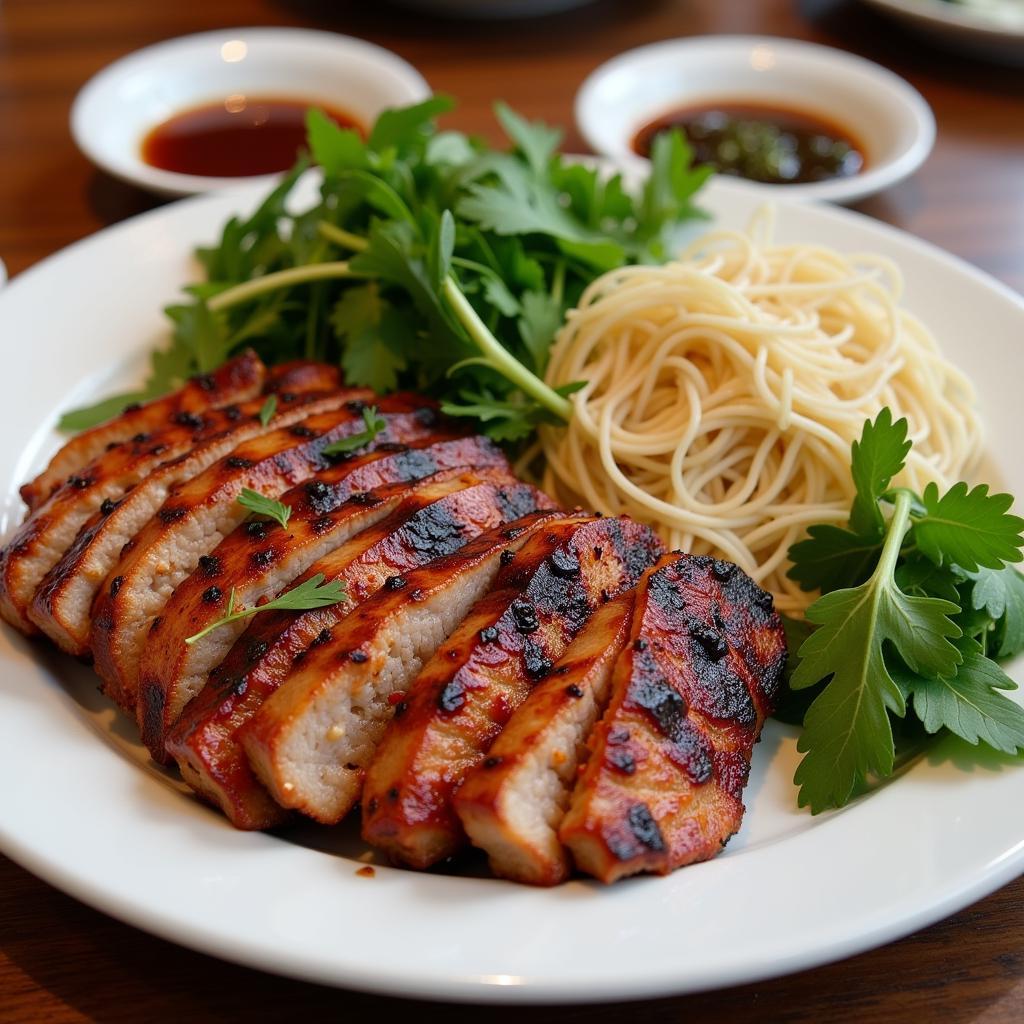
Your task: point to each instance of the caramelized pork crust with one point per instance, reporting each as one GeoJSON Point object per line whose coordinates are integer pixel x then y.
{"type": "Point", "coordinates": [256, 565]}
{"type": "Point", "coordinates": [311, 740]}
{"type": "Point", "coordinates": [513, 802]}
{"type": "Point", "coordinates": [62, 602]}
{"type": "Point", "coordinates": [670, 758]}
{"type": "Point", "coordinates": [439, 516]}
{"type": "Point", "coordinates": [201, 512]}
{"type": "Point", "coordinates": [240, 378]}
{"type": "Point", "coordinates": [465, 695]}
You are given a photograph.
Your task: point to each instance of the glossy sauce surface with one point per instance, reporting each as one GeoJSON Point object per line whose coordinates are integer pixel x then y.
{"type": "Point", "coordinates": [773, 145]}
{"type": "Point", "coordinates": [235, 138]}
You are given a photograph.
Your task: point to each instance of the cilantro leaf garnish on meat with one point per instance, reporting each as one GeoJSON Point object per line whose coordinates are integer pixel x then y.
{"type": "Point", "coordinates": [918, 598]}
{"type": "Point", "coordinates": [374, 425]}
{"type": "Point", "coordinates": [264, 506]}
{"type": "Point", "coordinates": [311, 593]}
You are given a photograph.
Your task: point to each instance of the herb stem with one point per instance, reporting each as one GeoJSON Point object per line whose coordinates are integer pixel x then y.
{"type": "Point", "coordinates": [279, 279]}
{"type": "Point", "coordinates": [342, 237]}
{"type": "Point", "coordinates": [897, 530]}
{"type": "Point", "coordinates": [499, 358]}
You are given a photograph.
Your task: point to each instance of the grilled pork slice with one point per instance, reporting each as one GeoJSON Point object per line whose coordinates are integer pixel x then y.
{"type": "Point", "coordinates": [50, 529]}
{"type": "Point", "coordinates": [237, 380]}
{"type": "Point", "coordinates": [435, 521]}
{"type": "Point", "coordinates": [512, 804]}
{"type": "Point", "coordinates": [63, 600]}
{"type": "Point", "coordinates": [200, 513]}
{"type": "Point", "coordinates": [311, 740]}
{"type": "Point", "coordinates": [259, 566]}
{"type": "Point", "coordinates": [669, 759]}
{"type": "Point", "coordinates": [255, 569]}
{"type": "Point", "coordinates": [464, 696]}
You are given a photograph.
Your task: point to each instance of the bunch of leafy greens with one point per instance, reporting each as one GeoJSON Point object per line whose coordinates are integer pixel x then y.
{"type": "Point", "coordinates": [431, 261]}
{"type": "Point", "coordinates": [919, 599]}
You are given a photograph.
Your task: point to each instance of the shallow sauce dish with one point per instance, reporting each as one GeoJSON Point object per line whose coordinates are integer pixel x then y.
{"type": "Point", "coordinates": [94, 817]}
{"type": "Point", "coordinates": [117, 108]}
{"type": "Point", "coordinates": [889, 117]}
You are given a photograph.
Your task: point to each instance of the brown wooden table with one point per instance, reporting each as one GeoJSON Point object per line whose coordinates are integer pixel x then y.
{"type": "Point", "coordinates": [60, 961]}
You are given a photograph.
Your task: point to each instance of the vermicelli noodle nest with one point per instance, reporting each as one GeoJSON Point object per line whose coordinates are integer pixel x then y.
{"type": "Point", "coordinates": [724, 390]}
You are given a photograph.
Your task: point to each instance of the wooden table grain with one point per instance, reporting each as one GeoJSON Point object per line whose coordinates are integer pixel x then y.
{"type": "Point", "coordinates": [61, 961]}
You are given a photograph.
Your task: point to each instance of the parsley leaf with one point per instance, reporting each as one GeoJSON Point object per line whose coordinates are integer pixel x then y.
{"type": "Point", "coordinates": [264, 506]}
{"type": "Point", "coordinates": [537, 142]}
{"type": "Point", "coordinates": [311, 593]}
{"type": "Point", "coordinates": [375, 336]}
{"type": "Point", "coordinates": [268, 410]}
{"type": "Point", "coordinates": [969, 702]}
{"type": "Point", "coordinates": [374, 425]}
{"type": "Point", "coordinates": [875, 459]}
{"type": "Point", "coordinates": [847, 735]}
{"type": "Point", "coordinates": [1000, 593]}
{"type": "Point", "coordinates": [970, 528]}
{"type": "Point", "coordinates": [832, 558]}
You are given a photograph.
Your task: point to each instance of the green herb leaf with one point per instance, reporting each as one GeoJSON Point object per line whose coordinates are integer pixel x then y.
{"type": "Point", "coordinates": [876, 458]}
{"type": "Point", "coordinates": [264, 506]}
{"type": "Point", "coordinates": [537, 142]}
{"type": "Point", "coordinates": [847, 735]}
{"type": "Point", "coordinates": [311, 593]}
{"type": "Point", "coordinates": [374, 425]}
{"type": "Point", "coordinates": [832, 558]}
{"type": "Point", "coordinates": [671, 185]}
{"type": "Point", "coordinates": [334, 148]}
{"type": "Point", "coordinates": [376, 337]}
{"type": "Point", "coordinates": [268, 410]}
{"type": "Point", "coordinates": [969, 528]}
{"type": "Point", "coordinates": [407, 127]}
{"type": "Point", "coordinates": [921, 578]}
{"type": "Point", "coordinates": [1000, 593]}
{"type": "Point", "coordinates": [969, 703]}
{"type": "Point", "coordinates": [93, 415]}
{"type": "Point", "coordinates": [540, 319]}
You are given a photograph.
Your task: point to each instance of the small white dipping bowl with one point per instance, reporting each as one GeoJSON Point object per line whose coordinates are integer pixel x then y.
{"type": "Point", "coordinates": [886, 115]}
{"type": "Point", "coordinates": [117, 107]}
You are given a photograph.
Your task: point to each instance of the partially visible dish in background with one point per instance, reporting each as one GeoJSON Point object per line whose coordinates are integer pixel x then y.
{"type": "Point", "coordinates": [990, 29]}
{"type": "Point", "coordinates": [117, 108]}
{"type": "Point", "coordinates": [890, 120]}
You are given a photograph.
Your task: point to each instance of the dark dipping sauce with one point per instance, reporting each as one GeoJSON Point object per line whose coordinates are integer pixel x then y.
{"type": "Point", "coordinates": [772, 145]}
{"type": "Point", "coordinates": [238, 137]}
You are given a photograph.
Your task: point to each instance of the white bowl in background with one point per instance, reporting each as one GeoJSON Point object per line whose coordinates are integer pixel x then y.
{"type": "Point", "coordinates": [118, 106]}
{"type": "Point", "coordinates": [883, 112]}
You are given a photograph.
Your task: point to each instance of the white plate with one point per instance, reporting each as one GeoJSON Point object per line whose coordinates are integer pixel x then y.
{"type": "Point", "coordinates": [79, 808]}
{"type": "Point", "coordinates": [886, 114]}
{"type": "Point", "coordinates": [997, 32]}
{"type": "Point", "coordinates": [117, 107]}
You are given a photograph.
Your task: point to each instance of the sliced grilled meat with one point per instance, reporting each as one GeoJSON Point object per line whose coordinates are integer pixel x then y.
{"type": "Point", "coordinates": [311, 740]}
{"type": "Point", "coordinates": [200, 513]}
{"type": "Point", "coordinates": [237, 380]}
{"type": "Point", "coordinates": [463, 697]}
{"type": "Point", "coordinates": [670, 757]}
{"type": "Point", "coordinates": [172, 672]}
{"type": "Point", "coordinates": [438, 519]}
{"type": "Point", "coordinates": [63, 600]}
{"type": "Point", "coordinates": [512, 804]}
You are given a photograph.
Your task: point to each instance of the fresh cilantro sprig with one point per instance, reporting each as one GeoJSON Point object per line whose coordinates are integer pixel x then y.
{"type": "Point", "coordinates": [918, 598]}
{"type": "Point", "coordinates": [311, 593]}
{"type": "Point", "coordinates": [264, 506]}
{"type": "Point", "coordinates": [374, 424]}
{"type": "Point", "coordinates": [430, 261]}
